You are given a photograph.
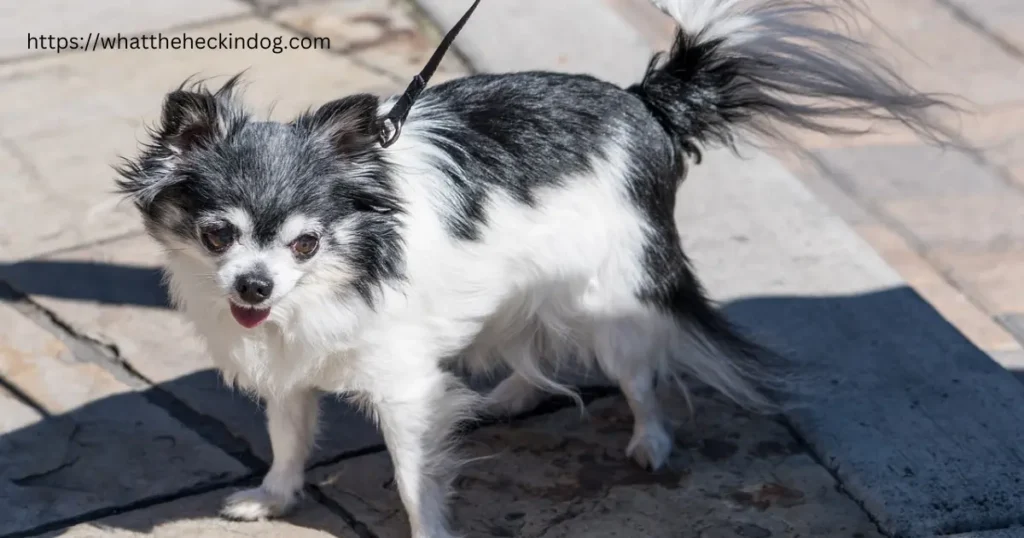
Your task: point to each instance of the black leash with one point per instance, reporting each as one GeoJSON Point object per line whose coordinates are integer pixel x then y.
{"type": "Point", "coordinates": [401, 109]}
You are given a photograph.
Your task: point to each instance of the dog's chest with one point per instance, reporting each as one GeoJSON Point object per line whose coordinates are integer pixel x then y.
{"type": "Point", "coordinates": [272, 359]}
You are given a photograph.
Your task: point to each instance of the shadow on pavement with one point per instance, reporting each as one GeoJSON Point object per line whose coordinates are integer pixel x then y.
{"type": "Point", "coordinates": [88, 281]}
{"type": "Point", "coordinates": [104, 457]}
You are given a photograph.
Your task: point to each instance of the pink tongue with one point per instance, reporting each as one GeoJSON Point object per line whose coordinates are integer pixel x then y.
{"type": "Point", "coordinates": [249, 317]}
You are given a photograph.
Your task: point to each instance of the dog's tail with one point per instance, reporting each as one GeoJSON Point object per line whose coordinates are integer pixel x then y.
{"type": "Point", "coordinates": [757, 65]}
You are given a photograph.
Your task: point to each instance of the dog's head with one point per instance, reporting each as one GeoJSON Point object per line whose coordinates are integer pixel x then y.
{"type": "Point", "coordinates": [262, 208]}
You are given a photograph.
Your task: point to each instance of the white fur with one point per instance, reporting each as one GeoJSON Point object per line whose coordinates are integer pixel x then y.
{"type": "Point", "coordinates": [533, 292]}
{"type": "Point", "coordinates": [531, 289]}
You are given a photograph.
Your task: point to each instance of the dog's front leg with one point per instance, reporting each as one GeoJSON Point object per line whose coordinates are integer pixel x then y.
{"type": "Point", "coordinates": [416, 415]}
{"type": "Point", "coordinates": [292, 423]}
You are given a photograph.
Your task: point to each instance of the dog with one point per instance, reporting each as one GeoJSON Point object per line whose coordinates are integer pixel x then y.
{"type": "Point", "coordinates": [521, 222]}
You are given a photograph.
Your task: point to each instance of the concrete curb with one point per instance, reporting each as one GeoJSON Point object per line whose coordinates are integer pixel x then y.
{"type": "Point", "coordinates": [920, 426]}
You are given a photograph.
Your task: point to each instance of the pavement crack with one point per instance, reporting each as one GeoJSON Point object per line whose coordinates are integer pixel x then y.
{"type": "Point", "coordinates": [34, 479]}
{"type": "Point", "coordinates": [22, 397]}
{"type": "Point", "coordinates": [87, 349]}
{"type": "Point", "coordinates": [360, 528]}
{"type": "Point", "coordinates": [89, 244]}
{"type": "Point", "coordinates": [977, 25]}
{"type": "Point", "coordinates": [49, 529]}
{"type": "Point", "coordinates": [832, 469]}
{"type": "Point", "coordinates": [83, 347]}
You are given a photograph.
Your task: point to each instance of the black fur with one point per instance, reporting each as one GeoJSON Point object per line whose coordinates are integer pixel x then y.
{"type": "Point", "coordinates": [207, 154]}
{"type": "Point", "coordinates": [521, 131]}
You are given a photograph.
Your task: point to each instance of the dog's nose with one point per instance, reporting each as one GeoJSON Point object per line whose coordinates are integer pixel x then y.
{"type": "Point", "coordinates": [254, 289]}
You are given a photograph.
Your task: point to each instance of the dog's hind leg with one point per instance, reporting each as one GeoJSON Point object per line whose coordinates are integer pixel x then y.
{"type": "Point", "coordinates": [623, 349]}
{"type": "Point", "coordinates": [663, 329]}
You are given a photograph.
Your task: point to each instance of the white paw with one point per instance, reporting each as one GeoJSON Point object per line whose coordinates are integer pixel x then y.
{"type": "Point", "coordinates": [650, 447]}
{"type": "Point", "coordinates": [257, 504]}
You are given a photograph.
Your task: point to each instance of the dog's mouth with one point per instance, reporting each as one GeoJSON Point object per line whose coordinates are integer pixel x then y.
{"type": "Point", "coordinates": [249, 317]}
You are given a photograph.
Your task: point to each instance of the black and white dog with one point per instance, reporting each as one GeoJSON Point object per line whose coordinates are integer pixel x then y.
{"type": "Point", "coordinates": [520, 221]}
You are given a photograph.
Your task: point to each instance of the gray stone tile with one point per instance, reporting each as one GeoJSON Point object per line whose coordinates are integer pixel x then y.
{"type": "Point", "coordinates": [197, 517]}
{"type": "Point", "coordinates": [110, 17]}
{"type": "Point", "coordinates": [377, 33]}
{"type": "Point", "coordinates": [560, 476]}
{"type": "Point", "coordinates": [1004, 17]}
{"type": "Point", "coordinates": [113, 293]}
{"type": "Point", "coordinates": [824, 186]}
{"type": "Point", "coordinates": [968, 221]}
{"type": "Point", "coordinates": [69, 177]}
{"type": "Point", "coordinates": [895, 172]}
{"type": "Point", "coordinates": [936, 52]}
{"type": "Point", "coordinates": [90, 443]}
{"type": "Point", "coordinates": [993, 276]}
{"type": "Point", "coordinates": [606, 45]}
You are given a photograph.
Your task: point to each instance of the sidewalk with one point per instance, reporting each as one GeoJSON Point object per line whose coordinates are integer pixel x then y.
{"type": "Point", "coordinates": [113, 424]}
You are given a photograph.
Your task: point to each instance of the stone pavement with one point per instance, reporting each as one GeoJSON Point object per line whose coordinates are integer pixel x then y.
{"type": "Point", "coordinates": [112, 424]}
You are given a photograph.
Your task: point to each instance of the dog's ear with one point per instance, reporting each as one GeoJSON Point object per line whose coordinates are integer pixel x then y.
{"type": "Point", "coordinates": [348, 124]}
{"type": "Point", "coordinates": [194, 118]}
{"type": "Point", "coordinates": [190, 119]}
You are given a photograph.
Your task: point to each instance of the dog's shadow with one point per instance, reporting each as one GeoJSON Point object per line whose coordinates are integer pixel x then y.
{"type": "Point", "coordinates": [122, 462]}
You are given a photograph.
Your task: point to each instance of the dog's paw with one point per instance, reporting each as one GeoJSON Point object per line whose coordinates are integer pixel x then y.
{"type": "Point", "coordinates": [257, 504]}
{"type": "Point", "coordinates": [650, 447]}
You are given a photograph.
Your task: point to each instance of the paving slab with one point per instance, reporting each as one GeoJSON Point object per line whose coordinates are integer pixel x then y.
{"type": "Point", "coordinates": [196, 516]}
{"type": "Point", "coordinates": [999, 135]}
{"type": "Point", "coordinates": [894, 171]}
{"type": "Point", "coordinates": [961, 221]}
{"type": "Point", "coordinates": [1000, 17]}
{"type": "Point", "coordinates": [18, 20]}
{"type": "Point", "coordinates": [63, 449]}
{"type": "Point", "coordinates": [113, 293]}
{"type": "Point", "coordinates": [932, 48]}
{"type": "Point", "coordinates": [506, 36]}
{"type": "Point", "coordinates": [71, 126]}
{"type": "Point", "coordinates": [563, 476]}
{"type": "Point", "coordinates": [395, 41]}
{"type": "Point", "coordinates": [993, 276]}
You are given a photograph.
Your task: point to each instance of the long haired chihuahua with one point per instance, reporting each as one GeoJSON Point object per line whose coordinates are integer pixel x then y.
{"type": "Point", "coordinates": [519, 223]}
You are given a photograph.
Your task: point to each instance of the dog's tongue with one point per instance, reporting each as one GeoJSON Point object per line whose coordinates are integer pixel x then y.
{"type": "Point", "coordinates": [249, 317]}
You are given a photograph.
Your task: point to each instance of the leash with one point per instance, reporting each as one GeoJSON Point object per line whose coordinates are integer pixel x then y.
{"type": "Point", "coordinates": [398, 114]}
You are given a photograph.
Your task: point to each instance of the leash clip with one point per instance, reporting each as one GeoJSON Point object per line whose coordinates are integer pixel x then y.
{"type": "Point", "coordinates": [388, 134]}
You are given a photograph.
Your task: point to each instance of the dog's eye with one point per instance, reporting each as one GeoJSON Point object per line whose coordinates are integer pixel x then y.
{"type": "Point", "coordinates": [218, 238]}
{"type": "Point", "coordinates": [306, 245]}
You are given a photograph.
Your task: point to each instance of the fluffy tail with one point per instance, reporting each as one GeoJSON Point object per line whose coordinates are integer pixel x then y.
{"type": "Point", "coordinates": [757, 65]}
